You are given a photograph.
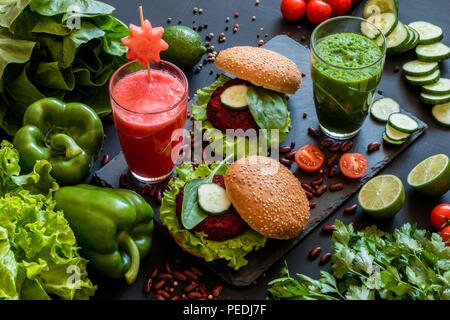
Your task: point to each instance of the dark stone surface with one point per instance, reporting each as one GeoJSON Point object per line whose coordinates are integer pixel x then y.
{"type": "Point", "coordinates": [299, 103]}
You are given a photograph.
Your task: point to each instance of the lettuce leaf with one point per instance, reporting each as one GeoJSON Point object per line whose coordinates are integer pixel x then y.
{"type": "Point", "coordinates": [233, 250]}
{"type": "Point", "coordinates": [38, 252]}
{"type": "Point", "coordinates": [200, 114]}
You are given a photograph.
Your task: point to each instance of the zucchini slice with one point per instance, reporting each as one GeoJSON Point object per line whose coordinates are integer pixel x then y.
{"type": "Point", "coordinates": [383, 108]}
{"type": "Point", "coordinates": [440, 88]}
{"type": "Point", "coordinates": [434, 99]}
{"type": "Point", "coordinates": [441, 112]}
{"type": "Point", "coordinates": [398, 38]}
{"type": "Point", "coordinates": [403, 123]}
{"type": "Point", "coordinates": [417, 68]}
{"type": "Point", "coordinates": [213, 199]}
{"type": "Point", "coordinates": [428, 33]}
{"type": "Point", "coordinates": [433, 52]}
{"type": "Point", "coordinates": [380, 6]}
{"type": "Point", "coordinates": [235, 97]}
{"type": "Point", "coordinates": [386, 22]}
{"type": "Point", "coordinates": [421, 81]}
{"type": "Point", "coordinates": [394, 134]}
{"type": "Point", "coordinates": [390, 141]}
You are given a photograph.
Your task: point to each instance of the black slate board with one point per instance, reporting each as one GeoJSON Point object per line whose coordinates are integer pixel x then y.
{"type": "Point", "coordinates": [299, 103]}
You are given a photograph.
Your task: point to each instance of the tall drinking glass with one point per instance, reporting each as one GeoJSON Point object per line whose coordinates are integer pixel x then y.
{"type": "Point", "coordinates": [346, 67]}
{"type": "Point", "coordinates": [146, 114]}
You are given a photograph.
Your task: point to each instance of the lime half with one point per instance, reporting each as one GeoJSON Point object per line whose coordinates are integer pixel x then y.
{"type": "Point", "coordinates": [431, 176]}
{"type": "Point", "coordinates": [382, 197]}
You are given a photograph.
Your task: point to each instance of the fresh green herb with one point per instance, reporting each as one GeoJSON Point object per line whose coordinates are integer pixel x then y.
{"type": "Point", "coordinates": [38, 251]}
{"type": "Point", "coordinates": [192, 214]}
{"type": "Point", "coordinates": [409, 264]}
{"type": "Point", "coordinates": [43, 52]}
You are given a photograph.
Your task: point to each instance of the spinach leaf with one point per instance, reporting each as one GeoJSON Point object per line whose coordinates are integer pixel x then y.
{"type": "Point", "coordinates": [13, 50]}
{"type": "Point", "coordinates": [10, 10]}
{"type": "Point", "coordinates": [56, 7]}
{"type": "Point", "coordinates": [267, 107]}
{"type": "Point", "coordinates": [191, 214]}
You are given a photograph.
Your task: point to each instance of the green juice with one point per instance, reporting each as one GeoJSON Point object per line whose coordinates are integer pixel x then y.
{"type": "Point", "coordinates": [345, 78]}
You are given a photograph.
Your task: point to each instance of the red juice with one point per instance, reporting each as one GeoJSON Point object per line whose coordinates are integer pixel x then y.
{"type": "Point", "coordinates": [146, 114]}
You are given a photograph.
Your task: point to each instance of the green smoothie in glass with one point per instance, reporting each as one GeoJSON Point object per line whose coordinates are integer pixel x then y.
{"type": "Point", "coordinates": [346, 69]}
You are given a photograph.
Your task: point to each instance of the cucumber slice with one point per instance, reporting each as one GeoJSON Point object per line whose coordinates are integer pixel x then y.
{"type": "Point", "coordinates": [386, 22]}
{"type": "Point", "coordinates": [398, 38]}
{"type": "Point", "coordinates": [403, 123]}
{"type": "Point", "coordinates": [213, 199]}
{"type": "Point", "coordinates": [409, 44]}
{"type": "Point", "coordinates": [395, 135]}
{"type": "Point", "coordinates": [379, 41]}
{"type": "Point", "coordinates": [428, 33]}
{"type": "Point", "coordinates": [417, 68]}
{"type": "Point", "coordinates": [417, 38]}
{"type": "Point", "coordinates": [235, 97]}
{"type": "Point", "coordinates": [434, 99]}
{"type": "Point", "coordinates": [390, 141]}
{"type": "Point", "coordinates": [433, 52]}
{"type": "Point", "coordinates": [421, 81]}
{"type": "Point", "coordinates": [380, 6]}
{"type": "Point", "coordinates": [383, 108]}
{"type": "Point", "coordinates": [441, 112]}
{"type": "Point", "coordinates": [440, 88]}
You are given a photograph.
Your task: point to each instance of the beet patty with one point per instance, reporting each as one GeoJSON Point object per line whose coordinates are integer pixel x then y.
{"type": "Point", "coordinates": [220, 228]}
{"type": "Point", "coordinates": [223, 118]}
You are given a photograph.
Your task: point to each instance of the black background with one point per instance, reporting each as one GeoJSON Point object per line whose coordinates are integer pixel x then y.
{"type": "Point", "coordinates": [436, 139]}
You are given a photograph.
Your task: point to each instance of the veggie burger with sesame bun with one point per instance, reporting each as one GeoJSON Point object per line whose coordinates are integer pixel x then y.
{"type": "Point", "coordinates": [255, 99]}
{"type": "Point", "coordinates": [225, 211]}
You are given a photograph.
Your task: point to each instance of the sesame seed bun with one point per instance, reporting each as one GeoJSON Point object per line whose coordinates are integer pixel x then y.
{"type": "Point", "coordinates": [261, 67]}
{"type": "Point", "coordinates": [268, 197]}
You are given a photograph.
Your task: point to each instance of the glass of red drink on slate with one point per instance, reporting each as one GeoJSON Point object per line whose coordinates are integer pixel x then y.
{"type": "Point", "coordinates": [146, 114]}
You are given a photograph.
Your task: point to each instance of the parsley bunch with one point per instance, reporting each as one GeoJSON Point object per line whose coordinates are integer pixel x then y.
{"type": "Point", "coordinates": [409, 264]}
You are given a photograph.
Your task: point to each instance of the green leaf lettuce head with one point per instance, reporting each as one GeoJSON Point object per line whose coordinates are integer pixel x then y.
{"type": "Point", "coordinates": [233, 250]}
{"type": "Point", "coordinates": [199, 112]}
{"type": "Point", "coordinates": [44, 53]}
{"type": "Point", "coordinates": [39, 257]}
{"type": "Point", "coordinates": [409, 264]}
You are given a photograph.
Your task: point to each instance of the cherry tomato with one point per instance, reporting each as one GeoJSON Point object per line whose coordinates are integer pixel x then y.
{"type": "Point", "coordinates": [353, 165]}
{"type": "Point", "coordinates": [440, 216]}
{"type": "Point", "coordinates": [339, 7]}
{"type": "Point", "coordinates": [293, 10]}
{"type": "Point", "coordinates": [318, 11]}
{"type": "Point", "coordinates": [309, 158]}
{"type": "Point", "coordinates": [445, 235]}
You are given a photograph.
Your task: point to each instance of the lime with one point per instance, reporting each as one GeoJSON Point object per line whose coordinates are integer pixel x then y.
{"type": "Point", "coordinates": [431, 176]}
{"type": "Point", "coordinates": [185, 46]}
{"type": "Point", "coordinates": [382, 197]}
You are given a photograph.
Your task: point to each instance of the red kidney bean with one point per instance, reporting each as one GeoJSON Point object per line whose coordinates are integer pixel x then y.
{"type": "Point", "coordinates": [315, 252]}
{"type": "Point", "coordinates": [309, 195]}
{"type": "Point", "coordinates": [292, 144]}
{"type": "Point", "coordinates": [331, 160]}
{"type": "Point", "coordinates": [163, 293]}
{"type": "Point", "coordinates": [217, 290]}
{"type": "Point", "coordinates": [374, 146]}
{"type": "Point", "coordinates": [331, 172]}
{"type": "Point", "coordinates": [324, 259]}
{"type": "Point", "coordinates": [202, 287]}
{"type": "Point", "coordinates": [317, 181]}
{"type": "Point", "coordinates": [159, 297]}
{"type": "Point", "coordinates": [154, 273]}
{"type": "Point", "coordinates": [285, 162]}
{"type": "Point", "coordinates": [168, 267]}
{"type": "Point", "coordinates": [313, 132]}
{"type": "Point", "coordinates": [124, 180]}
{"type": "Point", "coordinates": [105, 159]}
{"type": "Point", "coordinates": [159, 284]}
{"type": "Point", "coordinates": [312, 204]}
{"type": "Point", "coordinates": [159, 195]}
{"type": "Point", "coordinates": [165, 276]}
{"type": "Point", "coordinates": [326, 142]}
{"type": "Point", "coordinates": [335, 147]}
{"type": "Point", "coordinates": [290, 155]}
{"type": "Point", "coordinates": [329, 228]}
{"type": "Point", "coordinates": [167, 187]}
{"type": "Point", "coordinates": [191, 286]}
{"type": "Point", "coordinates": [336, 186]}
{"type": "Point", "coordinates": [197, 271]}
{"type": "Point", "coordinates": [148, 285]}
{"type": "Point", "coordinates": [347, 146]}
{"type": "Point", "coordinates": [145, 189]}
{"type": "Point", "coordinates": [321, 190]}
{"type": "Point", "coordinates": [307, 187]}
{"type": "Point", "coordinates": [191, 275]}
{"type": "Point", "coordinates": [179, 275]}
{"type": "Point", "coordinates": [195, 295]}
{"type": "Point", "coordinates": [175, 297]}
{"type": "Point", "coordinates": [285, 149]}
{"type": "Point", "coordinates": [351, 208]}
{"type": "Point", "coordinates": [152, 190]}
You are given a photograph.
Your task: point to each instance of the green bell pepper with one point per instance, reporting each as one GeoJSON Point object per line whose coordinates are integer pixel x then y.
{"type": "Point", "coordinates": [113, 227]}
{"type": "Point", "coordinates": [67, 135]}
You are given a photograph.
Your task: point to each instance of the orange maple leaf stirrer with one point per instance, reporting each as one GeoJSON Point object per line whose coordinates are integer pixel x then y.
{"type": "Point", "coordinates": [145, 43]}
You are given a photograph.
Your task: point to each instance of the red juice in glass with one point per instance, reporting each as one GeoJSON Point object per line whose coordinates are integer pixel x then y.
{"type": "Point", "coordinates": [146, 114]}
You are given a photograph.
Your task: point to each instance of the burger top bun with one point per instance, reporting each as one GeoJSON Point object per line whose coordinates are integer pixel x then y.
{"type": "Point", "coordinates": [267, 196]}
{"type": "Point", "coordinates": [262, 67]}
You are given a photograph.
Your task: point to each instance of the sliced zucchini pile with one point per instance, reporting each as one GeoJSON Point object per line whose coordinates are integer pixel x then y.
{"type": "Point", "coordinates": [399, 127]}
